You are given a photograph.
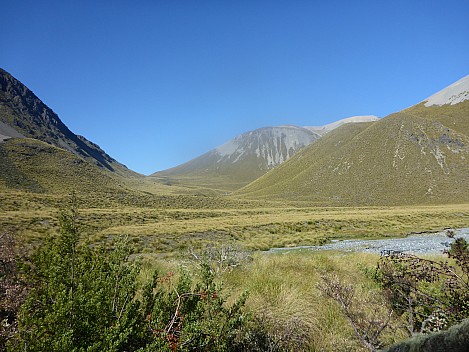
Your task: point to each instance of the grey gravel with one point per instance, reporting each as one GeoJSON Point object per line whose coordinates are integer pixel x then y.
{"type": "Point", "coordinates": [415, 244]}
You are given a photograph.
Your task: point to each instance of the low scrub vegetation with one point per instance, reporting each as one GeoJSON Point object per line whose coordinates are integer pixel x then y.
{"type": "Point", "coordinates": [170, 224]}
{"type": "Point", "coordinates": [75, 294]}
{"type": "Point", "coordinates": [87, 298]}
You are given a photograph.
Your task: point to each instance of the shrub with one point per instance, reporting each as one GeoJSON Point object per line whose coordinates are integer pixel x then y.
{"type": "Point", "coordinates": [83, 297]}
{"type": "Point", "coordinates": [430, 295]}
{"type": "Point", "coordinates": [184, 315]}
{"type": "Point", "coordinates": [368, 316]}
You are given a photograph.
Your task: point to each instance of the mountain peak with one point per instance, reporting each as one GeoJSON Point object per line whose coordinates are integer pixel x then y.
{"type": "Point", "coordinates": [273, 144]}
{"type": "Point", "coordinates": [453, 94]}
{"type": "Point", "coordinates": [321, 130]}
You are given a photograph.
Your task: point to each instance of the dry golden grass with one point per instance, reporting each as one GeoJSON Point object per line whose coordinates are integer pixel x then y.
{"type": "Point", "coordinates": [172, 223]}
{"type": "Point", "coordinates": [283, 291]}
{"type": "Point", "coordinates": [284, 295]}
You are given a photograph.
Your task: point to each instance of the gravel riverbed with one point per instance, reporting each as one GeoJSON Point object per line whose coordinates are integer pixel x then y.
{"type": "Point", "coordinates": [416, 244]}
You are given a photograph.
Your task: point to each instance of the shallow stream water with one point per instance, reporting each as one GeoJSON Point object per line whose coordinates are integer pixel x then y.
{"type": "Point", "coordinates": [415, 244]}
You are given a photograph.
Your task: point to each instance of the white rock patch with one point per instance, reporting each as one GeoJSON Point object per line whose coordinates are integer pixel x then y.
{"type": "Point", "coordinates": [453, 94]}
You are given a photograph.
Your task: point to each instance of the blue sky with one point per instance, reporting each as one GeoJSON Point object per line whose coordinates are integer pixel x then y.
{"type": "Point", "coordinates": [157, 83]}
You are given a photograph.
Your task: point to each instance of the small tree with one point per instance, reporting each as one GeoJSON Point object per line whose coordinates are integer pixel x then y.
{"type": "Point", "coordinates": [83, 296]}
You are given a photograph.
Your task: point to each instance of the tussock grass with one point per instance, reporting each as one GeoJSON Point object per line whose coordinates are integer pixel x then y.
{"type": "Point", "coordinates": [283, 289]}
{"type": "Point", "coordinates": [169, 224]}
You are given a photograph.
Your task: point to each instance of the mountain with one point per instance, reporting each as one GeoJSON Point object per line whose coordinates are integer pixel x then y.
{"type": "Point", "coordinates": [242, 159]}
{"type": "Point", "coordinates": [39, 154]}
{"type": "Point", "coordinates": [453, 94]}
{"type": "Point", "coordinates": [247, 156]}
{"type": "Point", "coordinates": [322, 130]}
{"type": "Point", "coordinates": [417, 156]}
{"type": "Point", "coordinates": [23, 114]}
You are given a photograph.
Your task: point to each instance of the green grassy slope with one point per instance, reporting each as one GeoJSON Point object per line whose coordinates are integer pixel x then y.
{"type": "Point", "coordinates": [35, 166]}
{"type": "Point", "coordinates": [418, 156]}
{"type": "Point", "coordinates": [205, 172]}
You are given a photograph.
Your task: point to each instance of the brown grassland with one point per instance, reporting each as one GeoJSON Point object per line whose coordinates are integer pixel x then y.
{"type": "Point", "coordinates": [166, 223]}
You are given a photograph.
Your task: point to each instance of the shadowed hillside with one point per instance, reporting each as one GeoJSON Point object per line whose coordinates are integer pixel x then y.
{"type": "Point", "coordinates": [22, 111]}
{"type": "Point", "coordinates": [35, 166]}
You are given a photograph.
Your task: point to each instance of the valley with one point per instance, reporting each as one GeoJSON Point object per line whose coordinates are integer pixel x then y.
{"type": "Point", "coordinates": [359, 178]}
{"type": "Point", "coordinates": [172, 224]}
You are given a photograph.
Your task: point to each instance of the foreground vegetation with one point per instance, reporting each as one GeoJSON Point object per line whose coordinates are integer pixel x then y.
{"type": "Point", "coordinates": [86, 298]}
{"type": "Point", "coordinates": [214, 289]}
{"type": "Point", "coordinates": [78, 296]}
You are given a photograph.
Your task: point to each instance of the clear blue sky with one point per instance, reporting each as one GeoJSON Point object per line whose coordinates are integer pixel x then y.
{"type": "Point", "coordinates": [157, 83]}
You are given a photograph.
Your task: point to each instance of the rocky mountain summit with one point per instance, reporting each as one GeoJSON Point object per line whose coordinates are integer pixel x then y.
{"type": "Point", "coordinates": [271, 145]}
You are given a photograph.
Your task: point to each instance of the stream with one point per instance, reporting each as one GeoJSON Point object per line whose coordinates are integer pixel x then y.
{"type": "Point", "coordinates": [415, 244]}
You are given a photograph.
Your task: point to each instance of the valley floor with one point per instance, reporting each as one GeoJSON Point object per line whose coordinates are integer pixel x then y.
{"type": "Point", "coordinates": [171, 224]}
{"type": "Point", "coordinates": [283, 288]}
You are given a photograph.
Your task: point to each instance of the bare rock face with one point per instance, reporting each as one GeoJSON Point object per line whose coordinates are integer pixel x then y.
{"type": "Point", "coordinates": [453, 94]}
{"type": "Point", "coordinates": [270, 145]}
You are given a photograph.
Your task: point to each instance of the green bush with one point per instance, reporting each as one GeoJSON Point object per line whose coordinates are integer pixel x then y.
{"type": "Point", "coordinates": [84, 298]}
{"type": "Point", "coordinates": [429, 295]}
{"type": "Point", "coordinates": [184, 317]}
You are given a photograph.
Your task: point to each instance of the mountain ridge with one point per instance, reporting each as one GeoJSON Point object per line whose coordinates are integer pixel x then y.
{"type": "Point", "coordinates": [416, 156]}
{"type": "Point", "coordinates": [22, 111]}
{"type": "Point", "coordinates": [247, 156]}
{"type": "Point", "coordinates": [453, 94]}
{"type": "Point", "coordinates": [321, 130]}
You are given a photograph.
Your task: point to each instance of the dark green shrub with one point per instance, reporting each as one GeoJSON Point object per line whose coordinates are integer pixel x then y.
{"type": "Point", "coordinates": [429, 295]}
{"type": "Point", "coordinates": [188, 316]}
{"type": "Point", "coordinates": [83, 297]}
